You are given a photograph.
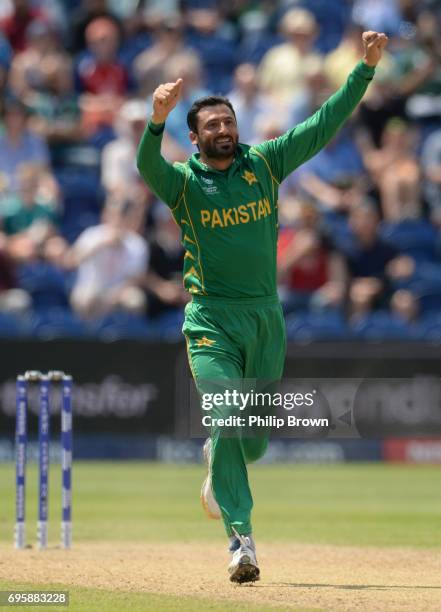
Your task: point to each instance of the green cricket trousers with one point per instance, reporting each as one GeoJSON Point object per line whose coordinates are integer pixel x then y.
{"type": "Point", "coordinates": [238, 343]}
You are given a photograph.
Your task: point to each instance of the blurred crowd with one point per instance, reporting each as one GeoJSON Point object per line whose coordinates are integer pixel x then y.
{"type": "Point", "coordinates": [85, 245]}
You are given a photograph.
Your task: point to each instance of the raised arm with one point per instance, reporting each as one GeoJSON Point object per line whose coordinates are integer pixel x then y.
{"type": "Point", "coordinates": [286, 153]}
{"type": "Point", "coordinates": [166, 180]}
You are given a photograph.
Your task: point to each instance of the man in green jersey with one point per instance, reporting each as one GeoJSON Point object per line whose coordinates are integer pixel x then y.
{"type": "Point", "coordinates": [224, 198]}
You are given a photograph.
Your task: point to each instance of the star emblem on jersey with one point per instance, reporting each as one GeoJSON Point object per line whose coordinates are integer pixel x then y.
{"type": "Point", "coordinates": [249, 177]}
{"type": "Point", "coordinates": [204, 341]}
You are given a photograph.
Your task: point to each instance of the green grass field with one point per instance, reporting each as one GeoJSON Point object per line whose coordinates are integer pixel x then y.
{"type": "Point", "coordinates": [386, 505]}
{"type": "Point", "coordinates": [357, 505]}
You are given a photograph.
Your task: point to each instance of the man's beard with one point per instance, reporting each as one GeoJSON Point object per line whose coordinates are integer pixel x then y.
{"type": "Point", "coordinates": [217, 151]}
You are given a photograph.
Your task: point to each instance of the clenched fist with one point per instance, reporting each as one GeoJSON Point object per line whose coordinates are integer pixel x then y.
{"type": "Point", "coordinates": [374, 44]}
{"type": "Point", "coordinates": [165, 98]}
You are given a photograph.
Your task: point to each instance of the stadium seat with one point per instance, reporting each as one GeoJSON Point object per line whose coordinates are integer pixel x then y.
{"type": "Point", "coordinates": [14, 326]}
{"type": "Point", "coordinates": [83, 198]}
{"type": "Point", "coordinates": [47, 284]}
{"type": "Point", "coordinates": [430, 273]}
{"type": "Point", "coordinates": [169, 325]}
{"type": "Point", "coordinates": [307, 327]}
{"type": "Point", "coordinates": [412, 237]}
{"type": "Point", "coordinates": [122, 326]}
{"type": "Point", "coordinates": [429, 328]}
{"type": "Point", "coordinates": [58, 323]}
{"type": "Point", "coordinates": [426, 279]}
{"type": "Point", "coordinates": [430, 302]}
{"type": "Point", "coordinates": [382, 325]}
{"type": "Point", "coordinates": [73, 226]}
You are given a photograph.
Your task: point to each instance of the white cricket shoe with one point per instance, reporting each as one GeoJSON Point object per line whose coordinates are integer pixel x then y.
{"type": "Point", "coordinates": [208, 501]}
{"type": "Point", "coordinates": [243, 566]}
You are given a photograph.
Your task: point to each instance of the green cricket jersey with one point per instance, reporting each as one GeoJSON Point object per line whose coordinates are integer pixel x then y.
{"type": "Point", "coordinates": [229, 218]}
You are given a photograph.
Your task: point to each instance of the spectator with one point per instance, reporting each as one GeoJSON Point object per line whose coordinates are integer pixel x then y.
{"type": "Point", "coordinates": [257, 33]}
{"type": "Point", "coordinates": [149, 66]}
{"type": "Point", "coordinates": [118, 165]}
{"type": "Point", "coordinates": [339, 62]}
{"type": "Point", "coordinates": [214, 41]}
{"type": "Point", "coordinates": [283, 68]}
{"type": "Point", "coordinates": [25, 211]}
{"type": "Point", "coordinates": [382, 100]}
{"type": "Point", "coordinates": [40, 271]}
{"type": "Point", "coordinates": [431, 167]}
{"type": "Point", "coordinates": [249, 103]}
{"type": "Point", "coordinates": [19, 145]}
{"type": "Point", "coordinates": [236, 9]}
{"type": "Point", "coordinates": [101, 77]}
{"type": "Point", "coordinates": [418, 71]}
{"type": "Point", "coordinates": [332, 19]}
{"type": "Point", "coordinates": [82, 17]}
{"type": "Point", "coordinates": [110, 259]}
{"type": "Point", "coordinates": [396, 172]}
{"type": "Point", "coordinates": [15, 25]}
{"type": "Point", "coordinates": [367, 256]}
{"type": "Point", "coordinates": [378, 15]}
{"type": "Point", "coordinates": [12, 298]}
{"type": "Point", "coordinates": [56, 111]}
{"type": "Point", "coordinates": [335, 177]}
{"type": "Point", "coordinates": [201, 40]}
{"type": "Point", "coordinates": [136, 36]}
{"type": "Point", "coordinates": [316, 91]}
{"type": "Point", "coordinates": [404, 306]}
{"type": "Point", "coordinates": [100, 72]}
{"type": "Point", "coordinates": [27, 69]}
{"type": "Point", "coordinates": [409, 88]}
{"type": "Point", "coordinates": [188, 67]}
{"type": "Point", "coordinates": [311, 273]}
{"type": "Point", "coordinates": [269, 126]}
{"type": "Point", "coordinates": [156, 11]}
{"type": "Point", "coordinates": [163, 280]}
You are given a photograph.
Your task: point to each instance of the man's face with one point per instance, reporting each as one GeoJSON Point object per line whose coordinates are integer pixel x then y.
{"type": "Point", "coordinates": [217, 134]}
{"type": "Point", "coordinates": [104, 47]}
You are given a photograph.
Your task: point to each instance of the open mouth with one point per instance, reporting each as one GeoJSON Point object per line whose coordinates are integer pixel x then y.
{"type": "Point", "coordinates": [224, 141]}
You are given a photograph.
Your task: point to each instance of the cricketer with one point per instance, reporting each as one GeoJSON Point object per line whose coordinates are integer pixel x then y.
{"type": "Point", "coordinates": [224, 198]}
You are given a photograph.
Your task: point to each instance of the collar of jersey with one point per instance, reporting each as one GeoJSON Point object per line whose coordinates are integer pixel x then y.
{"type": "Point", "coordinates": [195, 163]}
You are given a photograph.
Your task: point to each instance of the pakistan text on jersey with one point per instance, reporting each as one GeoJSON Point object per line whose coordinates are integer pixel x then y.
{"type": "Point", "coordinates": [245, 213]}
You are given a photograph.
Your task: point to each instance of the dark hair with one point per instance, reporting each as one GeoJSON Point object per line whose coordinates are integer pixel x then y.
{"type": "Point", "coordinates": [192, 118]}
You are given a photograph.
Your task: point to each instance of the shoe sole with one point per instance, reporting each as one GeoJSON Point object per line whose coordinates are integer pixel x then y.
{"type": "Point", "coordinates": [245, 572]}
